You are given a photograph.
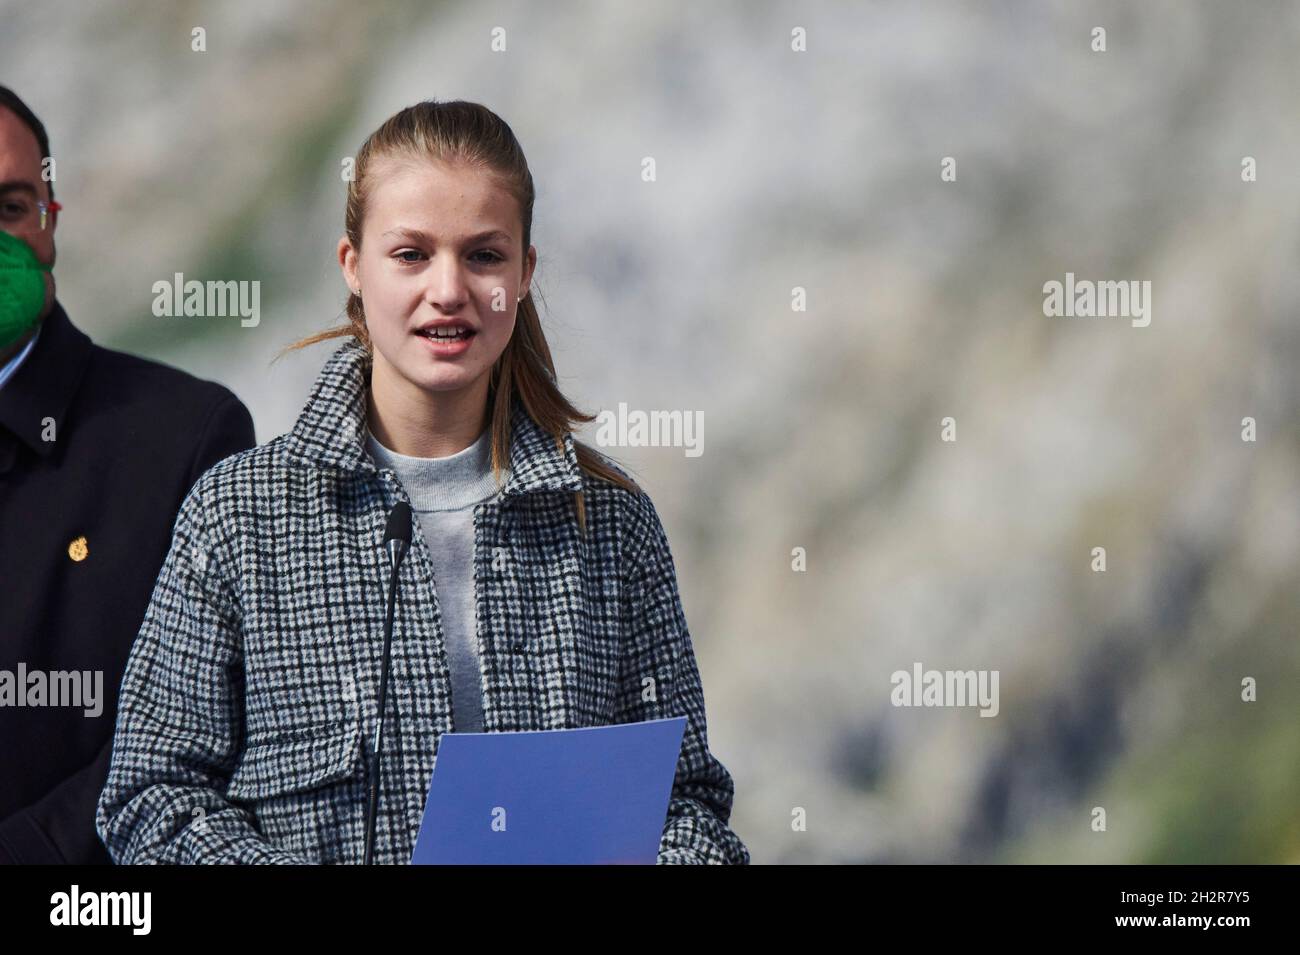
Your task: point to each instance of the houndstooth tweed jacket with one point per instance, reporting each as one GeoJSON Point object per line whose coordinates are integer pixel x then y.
{"type": "Point", "coordinates": [254, 679]}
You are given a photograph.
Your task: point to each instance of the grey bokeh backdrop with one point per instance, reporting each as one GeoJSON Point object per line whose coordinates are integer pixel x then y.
{"type": "Point", "coordinates": [820, 170]}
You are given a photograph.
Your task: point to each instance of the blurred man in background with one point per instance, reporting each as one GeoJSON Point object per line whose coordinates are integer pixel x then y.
{"type": "Point", "coordinates": [97, 451]}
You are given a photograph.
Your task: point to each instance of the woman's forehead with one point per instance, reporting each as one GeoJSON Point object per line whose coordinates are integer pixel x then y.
{"type": "Point", "coordinates": [436, 196]}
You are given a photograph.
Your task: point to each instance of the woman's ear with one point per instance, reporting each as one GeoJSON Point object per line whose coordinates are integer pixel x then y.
{"type": "Point", "coordinates": [348, 264]}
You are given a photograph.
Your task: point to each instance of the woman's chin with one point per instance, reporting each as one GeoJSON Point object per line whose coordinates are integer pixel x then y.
{"type": "Point", "coordinates": [441, 379]}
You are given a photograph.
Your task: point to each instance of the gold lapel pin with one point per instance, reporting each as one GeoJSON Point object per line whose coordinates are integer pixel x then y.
{"type": "Point", "coordinates": [77, 550]}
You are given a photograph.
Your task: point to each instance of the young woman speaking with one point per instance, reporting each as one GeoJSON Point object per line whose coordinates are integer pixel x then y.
{"type": "Point", "coordinates": [252, 689]}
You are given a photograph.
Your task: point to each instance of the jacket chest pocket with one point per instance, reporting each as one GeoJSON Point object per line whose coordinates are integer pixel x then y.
{"type": "Point", "coordinates": [307, 792]}
{"type": "Point", "coordinates": [283, 769]}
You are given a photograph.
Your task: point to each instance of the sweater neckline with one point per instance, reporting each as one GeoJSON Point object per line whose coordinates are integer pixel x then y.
{"type": "Point", "coordinates": [448, 483]}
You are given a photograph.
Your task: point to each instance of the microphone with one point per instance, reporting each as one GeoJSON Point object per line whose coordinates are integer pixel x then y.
{"type": "Point", "coordinates": [397, 538]}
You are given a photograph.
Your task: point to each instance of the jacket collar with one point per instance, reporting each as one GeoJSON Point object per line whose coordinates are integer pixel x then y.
{"type": "Point", "coordinates": [331, 431]}
{"type": "Point", "coordinates": [45, 383]}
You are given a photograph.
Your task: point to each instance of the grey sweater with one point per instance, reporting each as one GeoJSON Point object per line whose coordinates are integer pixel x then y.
{"type": "Point", "coordinates": [444, 492]}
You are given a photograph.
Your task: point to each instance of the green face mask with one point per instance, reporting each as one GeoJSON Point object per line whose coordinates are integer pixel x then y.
{"type": "Point", "coordinates": [22, 289]}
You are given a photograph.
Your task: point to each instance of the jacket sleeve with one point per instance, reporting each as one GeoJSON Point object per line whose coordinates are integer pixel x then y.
{"type": "Point", "coordinates": [659, 679]}
{"type": "Point", "coordinates": [179, 726]}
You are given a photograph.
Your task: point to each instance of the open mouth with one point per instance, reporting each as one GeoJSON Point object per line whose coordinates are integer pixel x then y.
{"type": "Point", "coordinates": [446, 335]}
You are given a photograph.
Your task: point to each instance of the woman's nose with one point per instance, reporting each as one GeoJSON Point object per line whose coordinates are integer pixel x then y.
{"type": "Point", "coordinates": [445, 284]}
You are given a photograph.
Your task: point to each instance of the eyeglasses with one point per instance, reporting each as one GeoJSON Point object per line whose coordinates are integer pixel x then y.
{"type": "Point", "coordinates": [19, 211]}
{"type": "Point", "coordinates": [46, 208]}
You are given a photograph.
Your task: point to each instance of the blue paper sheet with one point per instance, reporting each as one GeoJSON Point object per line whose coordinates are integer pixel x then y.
{"type": "Point", "coordinates": [597, 795]}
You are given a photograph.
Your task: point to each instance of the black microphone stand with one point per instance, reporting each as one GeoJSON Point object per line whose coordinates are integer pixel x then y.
{"type": "Point", "coordinates": [397, 537]}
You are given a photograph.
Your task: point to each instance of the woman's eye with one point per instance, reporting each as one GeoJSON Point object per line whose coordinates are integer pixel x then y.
{"type": "Point", "coordinates": [411, 256]}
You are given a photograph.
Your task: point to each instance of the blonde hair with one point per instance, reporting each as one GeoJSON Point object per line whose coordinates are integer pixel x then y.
{"type": "Point", "coordinates": [459, 131]}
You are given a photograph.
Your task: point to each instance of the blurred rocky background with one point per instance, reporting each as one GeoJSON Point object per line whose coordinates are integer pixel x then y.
{"type": "Point", "coordinates": [821, 170]}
